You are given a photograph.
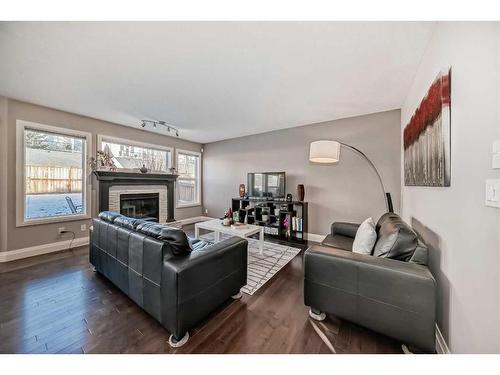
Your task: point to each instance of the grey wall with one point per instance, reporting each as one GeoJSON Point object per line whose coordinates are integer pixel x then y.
{"type": "Point", "coordinates": [21, 237]}
{"type": "Point", "coordinates": [3, 173]}
{"type": "Point", "coordinates": [463, 233]}
{"type": "Point", "coordinates": [346, 191]}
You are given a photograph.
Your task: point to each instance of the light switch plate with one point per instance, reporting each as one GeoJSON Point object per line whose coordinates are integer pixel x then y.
{"type": "Point", "coordinates": [495, 159]}
{"type": "Point", "coordinates": [493, 193]}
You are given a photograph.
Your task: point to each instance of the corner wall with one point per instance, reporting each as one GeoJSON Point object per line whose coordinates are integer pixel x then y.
{"type": "Point", "coordinates": [347, 191]}
{"type": "Point", "coordinates": [23, 237]}
{"type": "Point", "coordinates": [3, 173]}
{"type": "Point", "coordinates": [463, 234]}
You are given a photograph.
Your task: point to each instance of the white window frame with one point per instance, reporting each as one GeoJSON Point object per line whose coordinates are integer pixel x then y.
{"type": "Point", "coordinates": [106, 138]}
{"type": "Point", "coordinates": [197, 178]}
{"type": "Point", "coordinates": [21, 126]}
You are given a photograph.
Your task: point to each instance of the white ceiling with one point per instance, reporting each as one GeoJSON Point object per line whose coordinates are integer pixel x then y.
{"type": "Point", "coordinates": [212, 80]}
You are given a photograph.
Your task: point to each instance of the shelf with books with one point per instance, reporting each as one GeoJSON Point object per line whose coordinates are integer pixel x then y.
{"type": "Point", "coordinates": [282, 219]}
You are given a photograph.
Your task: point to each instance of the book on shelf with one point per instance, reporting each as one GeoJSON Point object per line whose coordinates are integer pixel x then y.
{"type": "Point", "coordinates": [297, 224]}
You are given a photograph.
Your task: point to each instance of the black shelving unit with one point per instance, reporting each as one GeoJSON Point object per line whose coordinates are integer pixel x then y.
{"type": "Point", "coordinates": [273, 214]}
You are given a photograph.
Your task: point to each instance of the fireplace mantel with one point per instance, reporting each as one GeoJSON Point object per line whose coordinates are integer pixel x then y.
{"type": "Point", "coordinates": [108, 178]}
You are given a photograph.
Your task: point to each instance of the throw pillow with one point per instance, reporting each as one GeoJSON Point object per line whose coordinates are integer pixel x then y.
{"type": "Point", "coordinates": [365, 239]}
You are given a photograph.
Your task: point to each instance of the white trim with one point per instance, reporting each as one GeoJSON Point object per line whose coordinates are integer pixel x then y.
{"type": "Point", "coordinates": [7, 256]}
{"type": "Point", "coordinates": [21, 125]}
{"type": "Point", "coordinates": [192, 220]}
{"type": "Point", "coordinates": [315, 237]}
{"type": "Point", "coordinates": [441, 346]}
{"type": "Point", "coordinates": [109, 138]}
{"type": "Point", "coordinates": [197, 179]}
{"type": "Point", "coordinates": [187, 205]}
{"type": "Point", "coordinates": [130, 142]}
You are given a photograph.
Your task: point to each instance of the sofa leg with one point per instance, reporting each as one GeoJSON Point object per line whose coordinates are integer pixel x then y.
{"type": "Point", "coordinates": [174, 343]}
{"type": "Point", "coordinates": [237, 295]}
{"type": "Point", "coordinates": [405, 349]}
{"type": "Point", "coordinates": [317, 315]}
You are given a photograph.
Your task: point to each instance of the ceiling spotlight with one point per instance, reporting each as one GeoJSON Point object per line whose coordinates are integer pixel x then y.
{"type": "Point", "coordinates": [162, 123]}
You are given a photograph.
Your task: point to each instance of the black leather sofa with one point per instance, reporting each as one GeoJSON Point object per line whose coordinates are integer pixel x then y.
{"type": "Point", "coordinates": [391, 291]}
{"type": "Point", "coordinates": [176, 280]}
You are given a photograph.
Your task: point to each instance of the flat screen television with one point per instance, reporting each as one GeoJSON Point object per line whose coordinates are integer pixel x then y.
{"type": "Point", "coordinates": [266, 184]}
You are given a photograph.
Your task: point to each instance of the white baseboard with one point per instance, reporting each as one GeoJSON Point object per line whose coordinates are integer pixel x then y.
{"type": "Point", "coordinates": [7, 256]}
{"type": "Point", "coordinates": [191, 220]}
{"type": "Point", "coordinates": [441, 346]}
{"type": "Point", "coordinates": [315, 237]}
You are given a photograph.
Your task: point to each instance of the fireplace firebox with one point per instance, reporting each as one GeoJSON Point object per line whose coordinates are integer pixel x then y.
{"type": "Point", "coordinates": [141, 206]}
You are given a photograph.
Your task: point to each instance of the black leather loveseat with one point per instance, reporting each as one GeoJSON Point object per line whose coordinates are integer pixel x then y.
{"type": "Point", "coordinates": [391, 291]}
{"type": "Point", "coordinates": [176, 280]}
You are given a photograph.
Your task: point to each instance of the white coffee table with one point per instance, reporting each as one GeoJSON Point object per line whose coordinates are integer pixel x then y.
{"type": "Point", "coordinates": [216, 226]}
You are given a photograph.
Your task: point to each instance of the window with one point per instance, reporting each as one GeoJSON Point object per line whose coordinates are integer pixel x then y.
{"type": "Point", "coordinates": [51, 170]}
{"type": "Point", "coordinates": [188, 182]}
{"type": "Point", "coordinates": [130, 155]}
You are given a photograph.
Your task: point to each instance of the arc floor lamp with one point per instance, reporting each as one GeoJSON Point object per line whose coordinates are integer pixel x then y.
{"type": "Point", "coordinates": [328, 152]}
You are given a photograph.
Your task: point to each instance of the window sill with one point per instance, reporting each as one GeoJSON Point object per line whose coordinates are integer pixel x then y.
{"type": "Point", "coordinates": [186, 205]}
{"type": "Point", "coordinates": [52, 220]}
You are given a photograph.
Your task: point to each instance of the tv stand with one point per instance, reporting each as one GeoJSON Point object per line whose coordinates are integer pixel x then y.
{"type": "Point", "coordinates": [273, 214]}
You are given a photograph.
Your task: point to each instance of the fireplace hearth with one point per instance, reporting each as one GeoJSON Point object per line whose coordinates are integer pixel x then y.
{"type": "Point", "coordinates": [141, 206]}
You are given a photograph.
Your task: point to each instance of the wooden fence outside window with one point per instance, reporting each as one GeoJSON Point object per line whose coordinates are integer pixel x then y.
{"type": "Point", "coordinates": [41, 179]}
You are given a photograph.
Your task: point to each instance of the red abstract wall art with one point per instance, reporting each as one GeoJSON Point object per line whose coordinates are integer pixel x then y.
{"type": "Point", "coordinates": [426, 138]}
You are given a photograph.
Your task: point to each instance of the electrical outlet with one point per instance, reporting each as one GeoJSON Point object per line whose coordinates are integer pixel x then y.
{"type": "Point", "coordinates": [83, 227]}
{"type": "Point", "coordinates": [206, 210]}
{"type": "Point", "coordinates": [60, 230]}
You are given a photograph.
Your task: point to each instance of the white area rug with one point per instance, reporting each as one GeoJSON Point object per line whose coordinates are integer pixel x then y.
{"type": "Point", "coordinates": [261, 267]}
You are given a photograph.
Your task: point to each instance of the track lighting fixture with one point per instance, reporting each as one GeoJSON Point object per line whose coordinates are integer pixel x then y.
{"type": "Point", "coordinates": [162, 123]}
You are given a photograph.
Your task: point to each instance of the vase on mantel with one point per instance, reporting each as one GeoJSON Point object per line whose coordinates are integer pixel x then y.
{"type": "Point", "coordinates": [301, 192]}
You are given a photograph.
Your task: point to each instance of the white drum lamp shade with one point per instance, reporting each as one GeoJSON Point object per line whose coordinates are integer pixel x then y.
{"type": "Point", "coordinates": [324, 152]}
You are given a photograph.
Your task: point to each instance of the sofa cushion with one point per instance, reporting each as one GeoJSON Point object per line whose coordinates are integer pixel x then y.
{"type": "Point", "coordinates": [197, 245]}
{"type": "Point", "coordinates": [109, 216]}
{"type": "Point", "coordinates": [365, 238]}
{"type": "Point", "coordinates": [127, 222]}
{"type": "Point", "coordinates": [396, 240]}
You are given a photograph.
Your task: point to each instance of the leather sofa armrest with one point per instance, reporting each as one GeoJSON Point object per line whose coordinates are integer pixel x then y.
{"type": "Point", "coordinates": [408, 286]}
{"type": "Point", "coordinates": [344, 229]}
{"type": "Point", "coordinates": [231, 253]}
{"type": "Point", "coordinates": [193, 285]}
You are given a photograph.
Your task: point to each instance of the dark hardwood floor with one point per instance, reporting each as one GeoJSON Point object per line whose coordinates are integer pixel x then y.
{"type": "Point", "coordinates": [56, 304]}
